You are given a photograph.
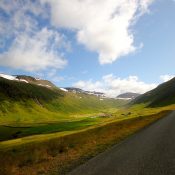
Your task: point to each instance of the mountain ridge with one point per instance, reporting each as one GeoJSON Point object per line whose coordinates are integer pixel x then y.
{"type": "Point", "coordinates": [162, 95]}
{"type": "Point", "coordinates": [28, 79]}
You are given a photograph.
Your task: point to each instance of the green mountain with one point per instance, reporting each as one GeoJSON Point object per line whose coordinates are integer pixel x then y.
{"type": "Point", "coordinates": [163, 95]}
{"type": "Point", "coordinates": [24, 99]}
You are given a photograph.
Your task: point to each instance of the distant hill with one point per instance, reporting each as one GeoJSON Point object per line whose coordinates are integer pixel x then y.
{"type": "Point", "coordinates": [163, 95]}
{"type": "Point", "coordinates": [78, 90]}
{"type": "Point", "coordinates": [73, 89]}
{"type": "Point", "coordinates": [128, 96]}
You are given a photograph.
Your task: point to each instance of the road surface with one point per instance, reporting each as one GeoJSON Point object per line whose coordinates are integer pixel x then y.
{"type": "Point", "coordinates": [148, 152]}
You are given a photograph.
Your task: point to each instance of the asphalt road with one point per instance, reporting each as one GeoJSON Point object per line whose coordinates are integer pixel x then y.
{"type": "Point", "coordinates": [149, 152]}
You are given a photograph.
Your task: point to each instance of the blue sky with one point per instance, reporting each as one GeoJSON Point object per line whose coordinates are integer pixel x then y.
{"type": "Point", "coordinates": [127, 46]}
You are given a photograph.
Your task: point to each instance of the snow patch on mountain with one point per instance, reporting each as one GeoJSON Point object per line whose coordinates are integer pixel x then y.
{"type": "Point", "coordinates": [23, 80]}
{"type": "Point", "coordinates": [44, 85]}
{"type": "Point", "coordinates": [26, 79]}
{"type": "Point", "coordinates": [8, 77]}
{"type": "Point", "coordinates": [12, 77]}
{"type": "Point", "coordinates": [119, 98]}
{"type": "Point", "coordinates": [63, 89]}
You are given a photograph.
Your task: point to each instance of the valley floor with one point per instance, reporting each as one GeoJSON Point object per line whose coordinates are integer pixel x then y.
{"type": "Point", "coordinates": [76, 141]}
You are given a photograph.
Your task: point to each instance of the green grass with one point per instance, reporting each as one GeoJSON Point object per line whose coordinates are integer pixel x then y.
{"type": "Point", "coordinates": [56, 153]}
{"type": "Point", "coordinates": [43, 131]}
{"type": "Point", "coordinates": [12, 132]}
{"type": "Point", "coordinates": [26, 104]}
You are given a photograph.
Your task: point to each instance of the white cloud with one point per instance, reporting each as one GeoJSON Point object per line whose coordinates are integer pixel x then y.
{"type": "Point", "coordinates": [114, 86]}
{"type": "Point", "coordinates": [29, 45]}
{"type": "Point", "coordinates": [165, 78]}
{"type": "Point", "coordinates": [34, 52]}
{"type": "Point", "coordinates": [52, 75]}
{"type": "Point", "coordinates": [103, 26]}
{"type": "Point", "coordinates": [90, 85]}
{"type": "Point", "coordinates": [19, 18]}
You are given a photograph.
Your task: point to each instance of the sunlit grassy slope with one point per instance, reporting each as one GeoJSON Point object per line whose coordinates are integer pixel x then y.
{"type": "Point", "coordinates": [28, 103]}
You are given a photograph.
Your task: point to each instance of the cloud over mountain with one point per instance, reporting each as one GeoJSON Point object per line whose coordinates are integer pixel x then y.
{"type": "Point", "coordinates": [166, 77]}
{"type": "Point", "coordinates": [113, 86]}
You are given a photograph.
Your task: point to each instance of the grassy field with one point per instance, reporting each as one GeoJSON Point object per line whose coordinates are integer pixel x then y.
{"type": "Point", "coordinates": [75, 122]}
{"type": "Point", "coordinates": [77, 141]}
{"type": "Point", "coordinates": [12, 132]}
